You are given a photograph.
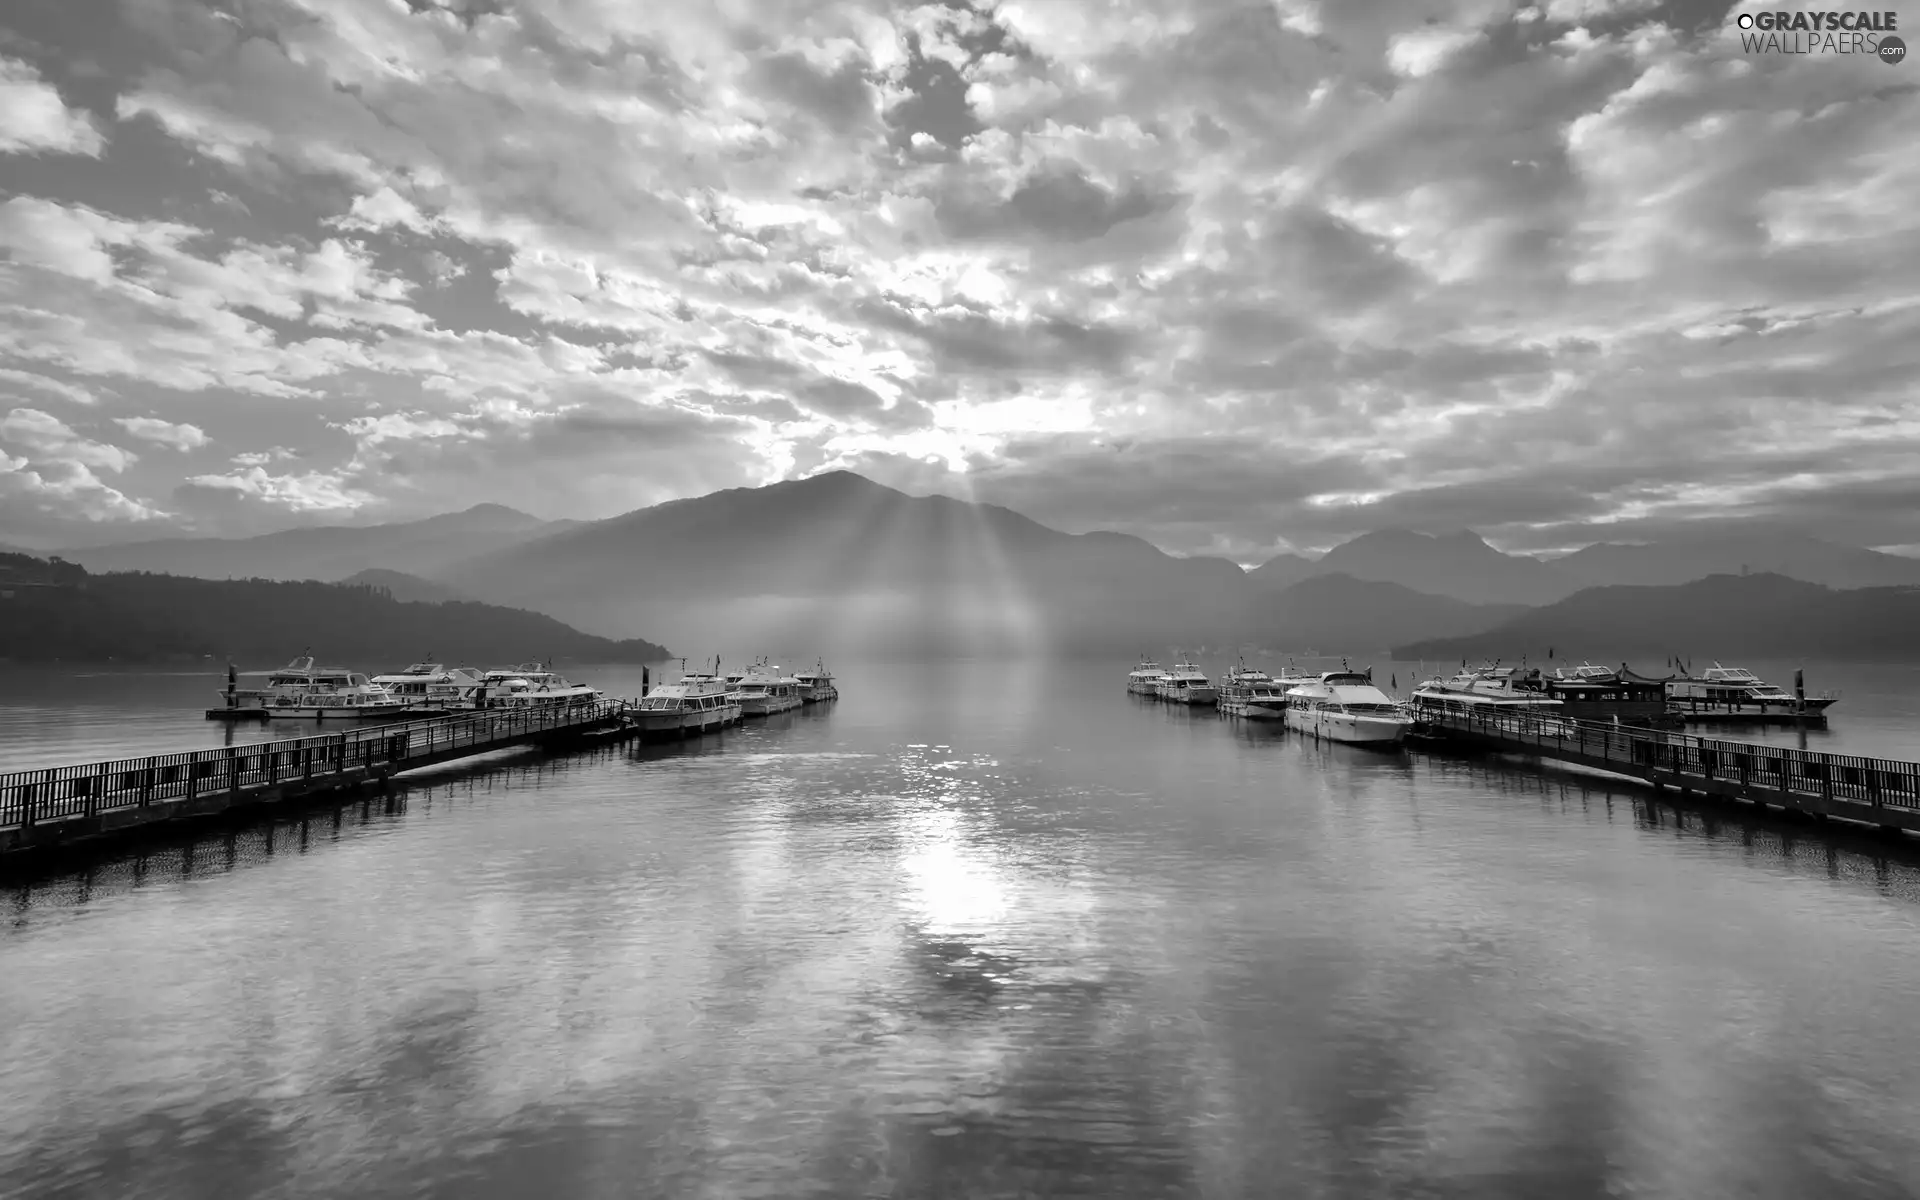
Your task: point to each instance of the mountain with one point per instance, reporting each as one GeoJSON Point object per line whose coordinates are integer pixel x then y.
{"type": "Point", "coordinates": [838, 562]}
{"type": "Point", "coordinates": [72, 616]}
{"type": "Point", "coordinates": [1733, 552]}
{"type": "Point", "coordinates": [1460, 565]}
{"type": "Point", "coordinates": [1283, 571]}
{"type": "Point", "coordinates": [1338, 614]}
{"type": "Point", "coordinates": [402, 586]}
{"type": "Point", "coordinates": [1726, 617]}
{"type": "Point", "coordinates": [329, 552]}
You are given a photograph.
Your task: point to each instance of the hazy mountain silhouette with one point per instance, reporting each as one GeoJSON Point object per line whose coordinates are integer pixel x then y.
{"type": "Point", "coordinates": [402, 586]}
{"type": "Point", "coordinates": [1284, 570]}
{"type": "Point", "coordinates": [838, 562]}
{"type": "Point", "coordinates": [328, 552]}
{"type": "Point", "coordinates": [1732, 551]}
{"type": "Point", "coordinates": [1338, 614]}
{"type": "Point", "coordinates": [1460, 565]}
{"type": "Point", "coordinates": [1722, 616]}
{"type": "Point", "coordinates": [137, 617]}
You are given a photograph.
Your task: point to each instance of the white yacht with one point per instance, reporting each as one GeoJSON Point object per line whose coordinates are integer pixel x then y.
{"type": "Point", "coordinates": [1186, 683]}
{"type": "Point", "coordinates": [816, 685]}
{"type": "Point", "coordinates": [1144, 680]}
{"type": "Point", "coordinates": [1344, 706]}
{"type": "Point", "coordinates": [1250, 692]}
{"type": "Point", "coordinates": [302, 690]}
{"type": "Point", "coordinates": [762, 691]}
{"type": "Point", "coordinates": [531, 685]}
{"type": "Point", "coordinates": [1737, 688]}
{"type": "Point", "coordinates": [694, 703]}
{"type": "Point", "coordinates": [1490, 688]}
{"type": "Point", "coordinates": [433, 686]}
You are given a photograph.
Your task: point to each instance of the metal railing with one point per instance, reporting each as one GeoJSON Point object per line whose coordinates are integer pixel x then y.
{"type": "Point", "coordinates": [1879, 782]}
{"type": "Point", "coordinates": [87, 789]}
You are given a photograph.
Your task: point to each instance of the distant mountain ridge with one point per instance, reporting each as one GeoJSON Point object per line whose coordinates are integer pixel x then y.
{"type": "Point", "coordinates": [1722, 616]}
{"type": "Point", "coordinates": [1462, 565]}
{"type": "Point", "coordinates": [329, 552]}
{"type": "Point", "coordinates": [137, 617]}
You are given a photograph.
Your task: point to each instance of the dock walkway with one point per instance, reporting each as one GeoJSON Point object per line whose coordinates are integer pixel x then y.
{"type": "Point", "coordinates": [1876, 791]}
{"type": "Point", "coordinates": [101, 800]}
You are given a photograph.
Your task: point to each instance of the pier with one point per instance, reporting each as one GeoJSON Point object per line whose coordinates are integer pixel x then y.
{"type": "Point", "coordinates": [1873, 791]}
{"type": "Point", "coordinates": [104, 801]}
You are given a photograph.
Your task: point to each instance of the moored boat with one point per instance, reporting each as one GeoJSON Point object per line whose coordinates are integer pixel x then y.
{"type": "Point", "coordinates": [1186, 683]}
{"type": "Point", "coordinates": [1252, 693]}
{"type": "Point", "coordinates": [531, 685]}
{"type": "Point", "coordinates": [302, 691]}
{"type": "Point", "coordinates": [694, 703]}
{"type": "Point", "coordinates": [1736, 691]}
{"type": "Point", "coordinates": [1345, 706]}
{"type": "Point", "coordinates": [1144, 680]}
{"type": "Point", "coordinates": [1491, 688]}
{"type": "Point", "coordinates": [762, 691]}
{"type": "Point", "coordinates": [817, 684]}
{"type": "Point", "coordinates": [430, 687]}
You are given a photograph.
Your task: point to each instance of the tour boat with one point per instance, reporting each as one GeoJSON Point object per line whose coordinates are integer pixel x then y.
{"type": "Point", "coordinates": [1145, 678]}
{"type": "Point", "coordinates": [762, 691]}
{"type": "Point", "coordinates": [1344, 706]}
{"type": "Point", "coordinates": [816, 685]}
{"type": "Point", "coordinates": [1739, 689]}
{"type": "Point", "coordinates": [430, 685]}
{"type": "Point", "coordinates": [694, 703]}
{"type": "Point", "coordinates": [303, 691]}
{"type": "Point", "coordinates": [1491, 688]}
{"type": "Point", "coordinates": [1250, 692]}
{"type": "Point", "coordinates": [531, 685]}
{"type": "Point", "coordinates": [1186, 683]}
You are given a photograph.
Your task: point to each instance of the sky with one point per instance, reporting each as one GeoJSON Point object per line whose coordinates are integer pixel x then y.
{"type": "Point", "coordinates": [1238, 278]}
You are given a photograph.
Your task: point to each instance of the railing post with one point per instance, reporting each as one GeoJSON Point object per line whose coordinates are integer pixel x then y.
{"type": "Point", "coordinates": [233, 767]}
{"type": "Point", "coordinates": [340, 751]}
{"type": "Point", "coordinates": [146, 783]}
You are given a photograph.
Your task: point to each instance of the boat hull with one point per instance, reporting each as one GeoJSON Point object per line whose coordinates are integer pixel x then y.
{"type": "Point", "coordinates": [1143, 689]}
{"type": "Point", "coordinates": [763, 706]}
{"type": "Point", "coordinates": [1347, 727]}
{"type": "Point", "coordinates": [660, 725]}
{"type": "Point", "coordinates": [1191, 695]}
{"type": "Point", "coordinates": [816, 695]}
{"type": "Point", "coordinates": [1253, 710]}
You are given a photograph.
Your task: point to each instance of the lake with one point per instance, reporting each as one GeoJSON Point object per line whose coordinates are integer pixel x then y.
{"type": "Point", "coordinates": [975, 929]}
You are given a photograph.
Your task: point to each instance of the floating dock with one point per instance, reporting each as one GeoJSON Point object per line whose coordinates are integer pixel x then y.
{"type": "Point", "coordinates": [114, 800]}
{"type": "Point", "coordinates": [1873, 791]}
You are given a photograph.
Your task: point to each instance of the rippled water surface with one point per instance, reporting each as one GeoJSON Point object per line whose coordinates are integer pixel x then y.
{"type": "Point", "coordinates": [975, 930]}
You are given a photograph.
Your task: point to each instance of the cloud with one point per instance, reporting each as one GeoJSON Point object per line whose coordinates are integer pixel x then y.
{"type": "Point", "coordinates": [35, 120]}
{"type": "Point", "coordinates": [1232, 277]}
{"type": "Point", "coordinates": [52, 472]}
{"type": "Point", "coordinates": [164, 433]}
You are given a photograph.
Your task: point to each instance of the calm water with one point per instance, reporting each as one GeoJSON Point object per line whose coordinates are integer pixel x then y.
{"type": "Point", "coordinates": [976, 930]}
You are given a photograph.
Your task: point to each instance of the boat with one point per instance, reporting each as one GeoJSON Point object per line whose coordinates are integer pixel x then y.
{"type": "Point", "coordinates": [531, 685]}
{"type": "Point", "coordinates": [1252, 693]}
{"type": "Point", "coordinates": [1736, 690]}
{"type": "Point", "coordinates": [1186, 683]}
{"type": "Point", "coordinates": [816, 685]}
{"type": "Point", "coordinates": [433, 686]}
{"type": "Point", "coordinates": [1144, 680]}
{"type": "Point", "coordinates": [762, 691]}
{"type": "Point", "coordinates": [1345, 706]}
{"type": "Point", "coordinates": [1485, 689]}
{"type": "Point", "coordinates": [694, 703]}
{"type": "Point", "coordinates": [300, 690]}
{"type": "Point", "coordinates": [1595, 693]}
